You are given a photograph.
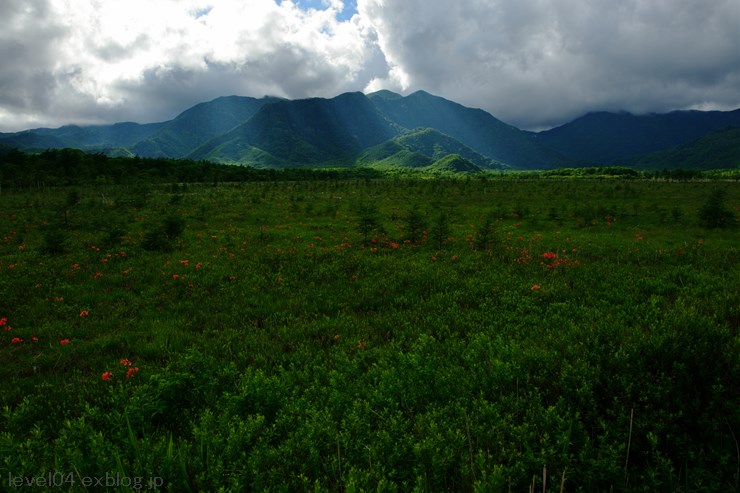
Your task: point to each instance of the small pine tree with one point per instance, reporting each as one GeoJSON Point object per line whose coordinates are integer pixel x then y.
{"type": "Point", "coordinates": [714, 213]}
{"type": "Point", "coordinates": [484, 235]}
{"type": "Point", "coordinates": [415, 225]}
{"type": "Point", "coordinates": [441, 230]}
{"type": "Point", "coordinates": [367, 220]}
{"type": "Point", "coordinates": [54, 240]}
{"type": "Point", "coordinates": [173, 226]}
{"type": "Point", "coordinates": [159, 238]}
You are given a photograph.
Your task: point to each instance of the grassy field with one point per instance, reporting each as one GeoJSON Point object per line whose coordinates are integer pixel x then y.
{"type": "Point", "coordinates": [371, 335]}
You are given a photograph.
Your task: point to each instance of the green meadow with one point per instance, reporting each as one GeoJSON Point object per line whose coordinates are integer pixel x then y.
{"type": "Point", "coordinates": [385, 333]}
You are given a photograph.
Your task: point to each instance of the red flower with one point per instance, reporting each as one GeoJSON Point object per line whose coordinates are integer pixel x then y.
{"type": "Point", "coordinates": [84, 313]}
{"type": "Point", "coordinates": [125, 362]}
{"type": "Point", "coordinates": [107, 375]}
{"type": "Point", "coordinates": [35, 339]}
{"type": "Point", "coordinates": [394, 245]}
{"type": "Point", "coordinates": [131, 372]}
{"type": "Point", "coordinates": [3, 321]}
{"type": "Point", "coordinates": [549, 255]}
{"type": "Point", "coordinates": [16, 340]}
{"type": "Point", "coordinates": [535, 287]}
{"type": "Point", "coordinates": [64, 342]}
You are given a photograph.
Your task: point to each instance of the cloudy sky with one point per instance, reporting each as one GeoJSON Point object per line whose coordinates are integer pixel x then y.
{"type": "Point", "coordinates": [531, 63]}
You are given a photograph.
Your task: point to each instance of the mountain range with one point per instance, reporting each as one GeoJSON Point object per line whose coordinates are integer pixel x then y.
{"type": "Point", "coordinates": [387, 130]}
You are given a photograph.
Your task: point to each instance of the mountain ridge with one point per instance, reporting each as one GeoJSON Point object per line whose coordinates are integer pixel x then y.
{"type": "Point", "coordinates": [610, 137]}
{"type": "Point", "coordinates": [416, 130]}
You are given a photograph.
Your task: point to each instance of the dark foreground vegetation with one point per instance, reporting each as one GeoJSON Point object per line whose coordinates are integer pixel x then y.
{"type": "Point", "coordinates": [63, 167]}
{"type": "Point", "coordinates": [358, 333]}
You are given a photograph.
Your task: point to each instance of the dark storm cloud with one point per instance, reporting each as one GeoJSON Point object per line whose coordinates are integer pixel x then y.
{"type": "Point", "coordinates": [540, 63]}
{"type": "Point", "coordinates": [27, 81]}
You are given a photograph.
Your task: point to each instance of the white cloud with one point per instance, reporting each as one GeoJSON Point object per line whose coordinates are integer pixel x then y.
{"type": "Point", "coordinates": [529, 62]}
{"type": "Point", "coordinates": [148, 59]}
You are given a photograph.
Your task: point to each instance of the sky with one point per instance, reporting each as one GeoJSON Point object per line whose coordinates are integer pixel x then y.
{"type": "Point", "coordinates": [534, 64]}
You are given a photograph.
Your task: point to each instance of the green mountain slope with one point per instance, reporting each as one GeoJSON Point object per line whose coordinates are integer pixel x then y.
{"type": "Point", "coordinates": [200, 124]}
{"type": "Point", "coordinates": [473, 127]}
{"type": "Point", "coordinates": [717, 150]}
{"type": "Point", "coordinates": [309, 132]}
{"type": "Point", "coordinates": [453, 163]}
{"type": "Point", "coordinates": [90, 138]}
{"type": "Point", "coordinates": [31, 140]}
{"type": "Point", "coordinates": [391, 154]}
{"type": "Point", "coordinates": [419, 148]}
{"type": "Point", "coordinates": [605, 138]}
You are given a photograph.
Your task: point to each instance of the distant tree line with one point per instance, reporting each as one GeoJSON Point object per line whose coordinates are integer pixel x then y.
{"type": "Point", "coordinates": [62, 167]}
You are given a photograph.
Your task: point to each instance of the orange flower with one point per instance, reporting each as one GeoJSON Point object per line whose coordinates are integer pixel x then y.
{"type": "Point", "coordinates": [107, 375]}
{"type": "Point", "coordinates": [84, 313]}
{"type": "Point", "coordinates": [535, 287]}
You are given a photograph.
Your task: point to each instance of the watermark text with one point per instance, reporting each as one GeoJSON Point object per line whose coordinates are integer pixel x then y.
{"type": "Point", "coordinates": [66, 479]}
